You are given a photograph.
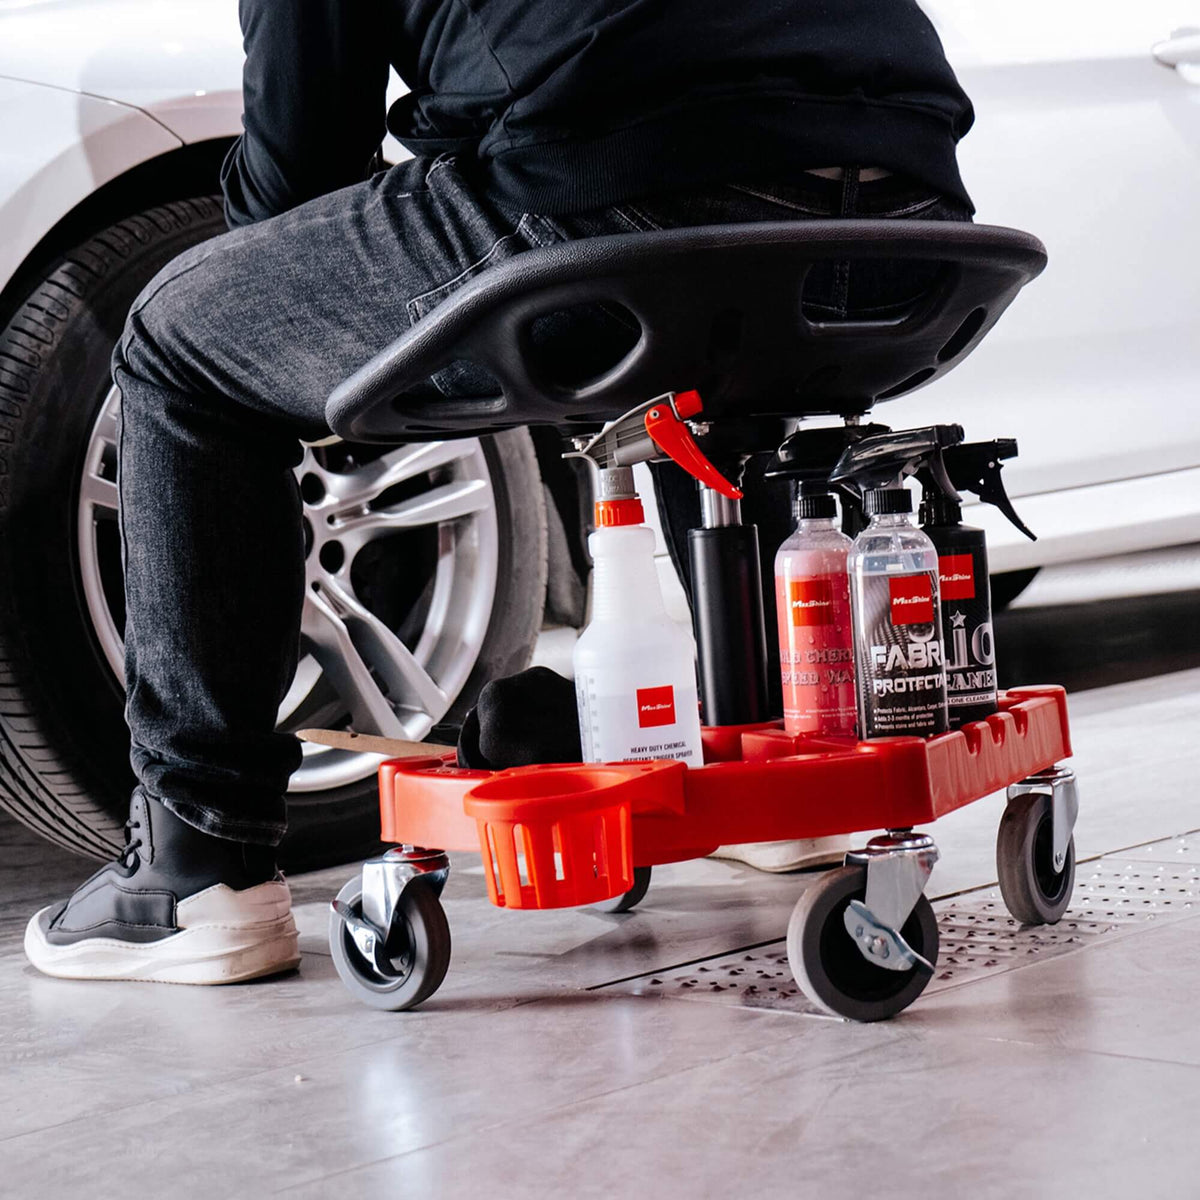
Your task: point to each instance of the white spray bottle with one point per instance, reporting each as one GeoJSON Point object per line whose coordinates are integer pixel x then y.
{"type": "Point", "coordinates": [635, 667]}
{"type": "Point", "coordinates": [635, 672]}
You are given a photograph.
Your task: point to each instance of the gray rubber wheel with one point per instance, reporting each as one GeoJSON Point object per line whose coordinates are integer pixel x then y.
{"type": "Point", "coordinates": [1034, 892]}
{"type": "Point", "coordinates": [419, 957]}
{"type": "Point", "coordinates": [631, 898]}
{"type": "Point", "coordinates": [827, 964]}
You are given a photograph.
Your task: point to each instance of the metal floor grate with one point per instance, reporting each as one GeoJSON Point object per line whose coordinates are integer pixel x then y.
{"type": "Point", "coordinates": [1113, 897]}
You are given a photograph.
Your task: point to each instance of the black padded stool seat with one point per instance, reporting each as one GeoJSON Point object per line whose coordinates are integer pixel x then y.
{"type": "Point", "coordinates": [720, 311]}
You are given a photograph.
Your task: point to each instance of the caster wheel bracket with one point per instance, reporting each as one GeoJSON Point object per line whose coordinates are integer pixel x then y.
{"type": "Point", "coordinates": [880, 944]}
{"type": "Point", "coordinates": [1059, 784]}
{"type": "Point", "coordinates": [369, 939]}
{"type": "Point", "coordinates": [898, 867]}
{"type": "Point", "coordinates": [384, 879]}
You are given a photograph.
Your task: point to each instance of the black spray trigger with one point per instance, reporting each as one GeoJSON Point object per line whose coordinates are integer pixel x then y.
{"type": "Point", "coordinates": [936, 466]}
{"type": "Point", "coordinates": [976, 466]}
{"type": "Point", "coordinates": [991, 491]}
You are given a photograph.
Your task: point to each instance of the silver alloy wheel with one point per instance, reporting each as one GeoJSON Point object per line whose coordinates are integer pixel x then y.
{"type": "Point", "coordinates": [383, 684]}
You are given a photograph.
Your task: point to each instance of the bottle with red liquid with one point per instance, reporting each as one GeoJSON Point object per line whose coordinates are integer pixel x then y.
{"type": "Point", "coordinates": [816, 640]}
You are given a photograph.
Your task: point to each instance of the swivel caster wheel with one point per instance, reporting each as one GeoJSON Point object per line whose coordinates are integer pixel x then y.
{"type": "Point", "coordinates": [635, 895]}
{"type": "Point", "coordinates": [409, 966]}
{"type": "Point", "coordinates": [830, 968]}
{"type": "Point", "coordinates": [1036, 891]}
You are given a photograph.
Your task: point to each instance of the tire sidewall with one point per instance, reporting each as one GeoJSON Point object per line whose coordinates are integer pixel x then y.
{"type": "Point", "coordinates": [55, 656]}
{"type": "Point", "coordinates": [55, 653]}
{"type": "Point", "coordinates": [824, 902]}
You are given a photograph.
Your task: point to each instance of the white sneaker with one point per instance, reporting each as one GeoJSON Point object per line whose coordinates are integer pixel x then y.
{"type": "Point", "coordinates": [178, 906]}
{"type": "Point", "coordinates": [220, 936]}
{"type": "Point", "coordinates": [799, 855]}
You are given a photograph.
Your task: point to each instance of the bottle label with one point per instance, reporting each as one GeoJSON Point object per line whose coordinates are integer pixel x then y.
{"type": "Point", "coordinates": [898, 649]}
{"type": "Point", "coordinates": [970, 650]}
{"type": "Point", "coordinates": [811, 601]}
{"type": "Point", "coordinates": [656, 706]}
{"type": "Point", "coordinates": [911, 598]}
{"type": "Point", "coordinates": [620, 724]}
{"type": "Point", "coordinates": [815, 654]}
{"type": "Point", "coordinates": [956, 576]}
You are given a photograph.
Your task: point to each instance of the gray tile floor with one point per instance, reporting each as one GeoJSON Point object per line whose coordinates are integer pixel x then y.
{"type": "Point", "coordinates": [551, 1063]}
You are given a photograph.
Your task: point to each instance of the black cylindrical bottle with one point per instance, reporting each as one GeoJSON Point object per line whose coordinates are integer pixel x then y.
{"type": "Point", "coordinates": [966, 603]}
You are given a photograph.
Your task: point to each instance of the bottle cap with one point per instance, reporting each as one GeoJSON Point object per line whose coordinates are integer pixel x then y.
{"type": "Point", "coordinates": [937, 509]}
{"type": "Point", "coordinates": [619, 512]}
{"type": "Point", "coordinates": [814, 504]}
{"type": "Point", "coordinates": [887, 500]}
{"type": "Point", "coordinates": [617, 500]}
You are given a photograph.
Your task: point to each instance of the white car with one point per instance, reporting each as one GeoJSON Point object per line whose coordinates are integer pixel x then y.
{"type": "Point", "coordinates": [114, 117]}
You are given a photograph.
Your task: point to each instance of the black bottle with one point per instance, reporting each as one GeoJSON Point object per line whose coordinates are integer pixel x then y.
{"type": "Point", "coordinates": [966, 604]}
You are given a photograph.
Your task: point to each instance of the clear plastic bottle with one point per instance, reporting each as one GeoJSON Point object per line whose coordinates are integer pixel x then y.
{"type": "Point", "coordinates": [898, 651]}
{"type": "Point", "coordinates": [812, 601]}
{"type": "Point", "coordinates": [635, 669]}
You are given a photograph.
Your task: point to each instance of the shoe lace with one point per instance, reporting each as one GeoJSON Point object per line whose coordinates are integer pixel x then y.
{"type": "Point", "coordinates": [133, 841]}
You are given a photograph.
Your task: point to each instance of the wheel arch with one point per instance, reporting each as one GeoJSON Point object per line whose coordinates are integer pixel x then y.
{"type": "Point", "coordinates": [179, 174]}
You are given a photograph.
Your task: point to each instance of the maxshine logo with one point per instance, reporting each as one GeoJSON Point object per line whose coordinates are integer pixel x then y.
{"type": "Point", "coordinates": [656, 706]}
{"type": "Point", "coordinates": [956, 577]}
{"type": "Point", "coordinates": [811, 601]}
{"type": "Point", "coordinates": [912, 599]}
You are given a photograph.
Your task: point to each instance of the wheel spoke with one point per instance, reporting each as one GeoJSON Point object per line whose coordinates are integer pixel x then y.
{"type": "Point", "coordinates": [410, 685]}
{"type": "Point", "coordinates": [350, 492]}
{"type": "Point", "coordinates": [333, 647]}
{"type": "Point", "coordinates": [99, 492]}
{"type": "Point", "coordinates": [448, 502]}
{"type": "Point", "coordinates": [107, 426]}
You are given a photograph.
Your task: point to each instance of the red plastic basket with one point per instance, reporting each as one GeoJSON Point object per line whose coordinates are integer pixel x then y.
{"type": "Point", "coordinates": [555, 837]}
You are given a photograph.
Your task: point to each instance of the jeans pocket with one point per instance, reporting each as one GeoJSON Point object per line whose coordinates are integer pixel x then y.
{"type": "Point", "coordinates": [462, 378]}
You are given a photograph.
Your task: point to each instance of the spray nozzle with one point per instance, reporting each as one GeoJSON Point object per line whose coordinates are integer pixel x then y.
{"type": "Point", "coordinates": [655, 430]}
{"type": "Point", "coordinates": [975, 467]}
{"type": "Point", "coordinates": [887, 459]}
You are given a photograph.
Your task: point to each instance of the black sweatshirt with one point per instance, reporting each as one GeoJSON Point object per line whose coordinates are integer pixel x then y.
{"type": "Point", "coordinates": [567, 105]}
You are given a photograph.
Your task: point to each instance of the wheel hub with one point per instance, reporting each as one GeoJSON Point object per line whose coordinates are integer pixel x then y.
{"type": "Point", "coordinates": [356, 667]}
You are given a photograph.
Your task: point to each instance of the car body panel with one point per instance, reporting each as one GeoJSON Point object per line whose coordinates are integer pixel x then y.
{"type": "Point", "coordinates": [1084, 139]}
{"type": "Point", "coordinates": [1081, 137]}
{"type": "Point", "coordinates": [144, 53]}
{"type": "Point", "coordinates": [59, 147]}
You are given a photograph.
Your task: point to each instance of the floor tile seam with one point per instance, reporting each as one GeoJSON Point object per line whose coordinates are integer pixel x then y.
{"type": "Point", "coordinates": [1125, 932]}
{"type": "Point", "coordinates": [1094, 1052]}
{"type": "Point", "coordinates": [110, 1109]}
{"type": "Point", "coordinates": [525, 1119]}
{"type": "Point", "coordinates": [597, 987]}
{"type": "Point", "coordinates": [192, 1093]}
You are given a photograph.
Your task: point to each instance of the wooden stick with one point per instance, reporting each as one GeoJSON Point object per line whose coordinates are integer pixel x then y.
{"type": "Point", "coordinates": [344, 739]}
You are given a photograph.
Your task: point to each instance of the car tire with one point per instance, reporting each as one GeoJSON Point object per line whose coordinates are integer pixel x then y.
{"type": "Point", "coordinates": [64, 769]}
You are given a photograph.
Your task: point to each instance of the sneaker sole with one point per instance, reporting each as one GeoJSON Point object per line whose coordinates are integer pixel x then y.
{"type": "Point", "coordinates": [202, 955]}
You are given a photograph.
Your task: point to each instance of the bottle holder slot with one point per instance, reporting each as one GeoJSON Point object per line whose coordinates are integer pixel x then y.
{"type": "Point", "coordinates": [557, 838]}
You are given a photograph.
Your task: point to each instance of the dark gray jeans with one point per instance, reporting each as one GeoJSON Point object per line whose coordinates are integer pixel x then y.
{"type": "Point", "coordinates": [224, 367]}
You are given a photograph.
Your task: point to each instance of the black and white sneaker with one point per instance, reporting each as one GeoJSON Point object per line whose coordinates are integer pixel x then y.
{"type": "Point", "coordinates": [178, 906]}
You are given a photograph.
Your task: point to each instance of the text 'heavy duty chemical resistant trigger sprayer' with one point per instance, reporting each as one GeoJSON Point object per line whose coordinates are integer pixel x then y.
{"type": "Point", "coordinates": [635, 670]}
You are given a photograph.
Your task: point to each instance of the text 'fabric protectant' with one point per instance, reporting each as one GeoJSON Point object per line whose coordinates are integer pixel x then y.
{"type": "Point", "coordinates": [898, 651]}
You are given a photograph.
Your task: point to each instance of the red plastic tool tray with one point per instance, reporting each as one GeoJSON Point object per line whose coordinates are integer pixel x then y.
{"type": "Point", "coordinates": [556, 836]}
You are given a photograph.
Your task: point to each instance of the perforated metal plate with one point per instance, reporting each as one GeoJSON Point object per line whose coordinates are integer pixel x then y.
{"type": "Point", "coordinates": [1114, 896]}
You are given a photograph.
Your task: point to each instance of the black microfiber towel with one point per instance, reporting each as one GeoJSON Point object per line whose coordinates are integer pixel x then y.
{"type": "Point", "coordinates": [524, 719]}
